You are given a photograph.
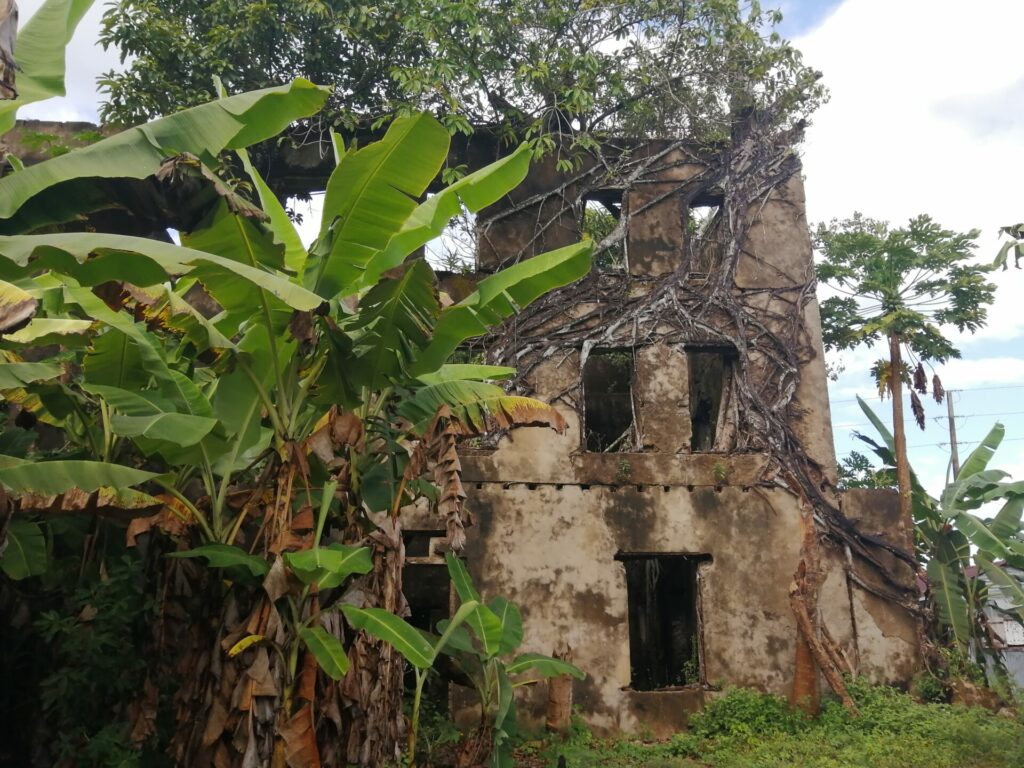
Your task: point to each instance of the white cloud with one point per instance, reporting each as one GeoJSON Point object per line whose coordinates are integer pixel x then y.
{"type": "Point", "coordinates": [919, 122]}
{"type": "Point", "coordinates": [924, 119]}
{"type": "Point", "coordinates": [86, 60]}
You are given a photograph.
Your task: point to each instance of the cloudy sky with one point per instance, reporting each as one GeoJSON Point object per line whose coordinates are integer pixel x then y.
{"type": "Point", "coordinates": [924, 118]}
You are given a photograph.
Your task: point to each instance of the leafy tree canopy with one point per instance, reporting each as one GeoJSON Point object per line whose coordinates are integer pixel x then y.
{"type": "Point", "coordinates": [857, 471]}
{"type": "Point", "coordinates": [521, 67]}
{"type": "Point", "coordinates": [906, 282]}
{"type": "Point", "coordinates": [901, 285]}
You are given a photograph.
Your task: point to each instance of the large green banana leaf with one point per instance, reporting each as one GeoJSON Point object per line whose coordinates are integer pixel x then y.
{"type": "Point", "coordinates": [484, 622]}
{"type": "Point", "coordinates": [25, 554]}
{"type": "Point", "coordinates": [114, 359]}
{"type": "Point", "coordinates": [500, 296]}
{"type": "Point", "coordinates": [53, 191]}
{"type": "Point", "coordinates": [237, 238]}
{"type": "Point", "coordinates": [95, 258]}
{"type": "Point", "coordinates": [1006, 523]}
{"type": "Point", "coordinates": [16, 375]}
{"type": "Point", "coordinates": [981, 536]}
{"type": "Point", "coordinates": [395, 320]}
{"type": "Point", "coordinates": [173, 384]}
{"type": "Point", "coordinates": [49, 330]}
{"type": "Point", "coordinates": [1009, 585]}
{"type": "Point", "coordinates": [543, 666]}
{"type": "Point", "coordinates": [138, 415]}
{"type": "Point", "coordinates": [53, 477]}
{"type": "Point", "coordinates": [327, 650]}
{"type": "Point", "coordinates": [468, 372]}
{"type": "Point", "coordinates": [281, 225]}
{"type": "Point", "coordinates": [948, 595]}
{"type": "Point", "coordinates": [370, 196]}
{"type": "Point", "coordinates": [427, 222]}
{"type": "Point", "coordinates": [477, 407]}
{"type": "Point", "coordinates": [973, 467]}
{"type": "Point", "coordinates": [40, 54]}
{"type": "Point", "coordinates": [167, 308]}
{"type": "Point", "coordinates": [17, 306]}
{"type": "Point", "coordinates": [393, 630]}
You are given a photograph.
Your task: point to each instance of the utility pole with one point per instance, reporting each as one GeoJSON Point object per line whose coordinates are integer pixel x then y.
{"type": "Point", "coordinates": [952, 433]}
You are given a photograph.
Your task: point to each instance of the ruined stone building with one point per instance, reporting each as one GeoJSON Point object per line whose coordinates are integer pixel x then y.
{"type": "Point", "coordinates": [658, 537]}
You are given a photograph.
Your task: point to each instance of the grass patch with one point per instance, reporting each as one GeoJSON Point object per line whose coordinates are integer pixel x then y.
{"type": "Point", "coordinates": [745, 729]}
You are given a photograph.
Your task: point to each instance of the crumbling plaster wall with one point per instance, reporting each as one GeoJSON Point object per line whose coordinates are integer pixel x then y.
{"type": "Point", "coordinates": [551, 548]}
{"type": "Point", "coordinates": [549, 520]}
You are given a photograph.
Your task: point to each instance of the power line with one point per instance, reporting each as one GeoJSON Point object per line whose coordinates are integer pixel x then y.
{"type": "Point", "coordinates": [962, 442]}
{"type": "Point", "coordinates": [936, 419]}
{"type": "Point", "coordinates": [965, 389]}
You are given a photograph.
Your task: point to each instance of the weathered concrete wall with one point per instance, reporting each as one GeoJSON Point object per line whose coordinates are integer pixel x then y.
{"type": "Point", "coordinates": [887, 637]}
{"type": "Point", "coordinates": [662, 403]}
{"type": "Point", "coordinates": [529, 221]}
{"type": "Point", "coordinates": [777, 257]}
{"type": "Point", "coordinates": [552, 550]}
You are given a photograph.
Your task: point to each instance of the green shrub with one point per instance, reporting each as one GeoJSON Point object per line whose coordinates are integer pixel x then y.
{"type": "Point", "coordinates": [745, 713]}
{"type": "Point", "coordinates": [93, 667]}
{"type": "Point", "coordinates": [930, 689]}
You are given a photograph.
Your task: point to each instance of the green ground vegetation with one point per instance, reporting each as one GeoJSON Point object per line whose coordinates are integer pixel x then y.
{"type": "Point", "coordinates": [746, 729]}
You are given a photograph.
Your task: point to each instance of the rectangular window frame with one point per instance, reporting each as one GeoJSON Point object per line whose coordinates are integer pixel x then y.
{"type": "Point", "coordinates": [697, 562]}
{"type": "Point", "coordinates": [724, 428]}
{"type": "Point", "coordinates": [585, 433]}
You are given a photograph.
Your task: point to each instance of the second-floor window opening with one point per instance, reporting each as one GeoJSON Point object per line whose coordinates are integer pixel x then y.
{"type": "Point", "coordinates": [608, 401]}
{"type": "Point", "coordinates": [710, 374]}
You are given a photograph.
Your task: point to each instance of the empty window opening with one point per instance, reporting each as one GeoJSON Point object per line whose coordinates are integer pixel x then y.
{"type": "Point", "coordinates": [710, 373]}
{"type": "Point", "coordinates": [427, 590]}
{"type": "Point", "coordinates": [608, 401]}
{"type": "Point", "coordinates": [663, 592]}
{"type": "Point", "coordinates": [426, 582]}
{"type": "Point", "coordinates": [703, 235]}
{"type": "Point", "coordinates": [420, 544]}
{"type": "Point", "coordinates": [601, 212]}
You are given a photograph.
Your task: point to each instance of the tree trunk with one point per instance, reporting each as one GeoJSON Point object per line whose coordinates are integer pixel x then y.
{"type": "Point", "coordinates": [373, 686]}
{"type": "Point", "coordinates": [804, 601]}
{"type": "Point", "coordinates": [906, 520]}
{"type": "Point", "coordinates": [559, 712]}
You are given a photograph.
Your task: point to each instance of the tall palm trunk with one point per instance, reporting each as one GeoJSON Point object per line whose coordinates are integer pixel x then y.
{"type": "Point", "coordinates": [906, 518]}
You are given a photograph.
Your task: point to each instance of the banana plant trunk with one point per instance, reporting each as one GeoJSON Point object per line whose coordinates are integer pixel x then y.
{"type": "Point", "coordinates": [906, 517]}
{"type": "Point", "coordinates": [374, 683]}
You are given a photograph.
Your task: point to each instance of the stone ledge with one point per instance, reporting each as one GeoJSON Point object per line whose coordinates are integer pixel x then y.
{"type": "Point", "coordinates": [740, 469]}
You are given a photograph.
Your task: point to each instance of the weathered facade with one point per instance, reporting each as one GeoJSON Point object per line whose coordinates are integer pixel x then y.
{"type": "Point", "coordinates": [658, 537]}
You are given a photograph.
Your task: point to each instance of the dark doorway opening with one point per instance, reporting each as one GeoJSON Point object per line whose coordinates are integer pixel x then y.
{"type": "Point", "coordinates": [664, 620]}
{"type": "Point", "coordinates": [608, 401]}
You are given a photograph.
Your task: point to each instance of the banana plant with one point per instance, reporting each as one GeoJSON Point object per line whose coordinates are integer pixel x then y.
{"type": "Point", "coordinates": [239, 380]}
{"type": "Point", "coordinates": [479, 638]}
{"type": "Point", "coordinates": [39, 53]}
{"type": "Point", "coordinates": [956, 547]}
{"type": "Point", "coordinates": [420, 649]}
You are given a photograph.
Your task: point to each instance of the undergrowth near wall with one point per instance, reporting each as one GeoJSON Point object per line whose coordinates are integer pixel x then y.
{"type": "Point", "coordinates": [745, 729]}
